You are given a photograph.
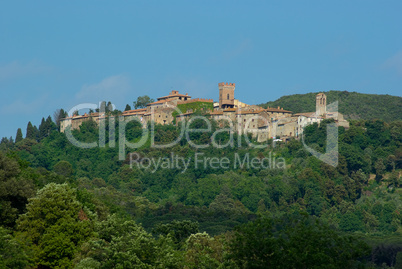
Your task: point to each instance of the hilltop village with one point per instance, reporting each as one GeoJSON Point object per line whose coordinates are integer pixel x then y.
{"type": "Point", "coordinates": [262, 123]}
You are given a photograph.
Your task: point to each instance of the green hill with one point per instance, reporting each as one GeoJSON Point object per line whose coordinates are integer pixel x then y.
{"type": "Point", "coordinates": [352, 104]}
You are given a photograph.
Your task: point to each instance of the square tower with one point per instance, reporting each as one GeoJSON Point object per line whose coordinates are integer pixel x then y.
{"type": "Point", "coordinates": [320, 104]}
{"type": "Point", "coordinates": [226, 95]}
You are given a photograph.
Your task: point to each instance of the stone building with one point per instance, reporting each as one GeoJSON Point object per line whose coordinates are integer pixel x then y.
{"type": "Point", "coordinates": [75, 121]}
{"type": "Point", "coordinates": [261, 123]}
{"type": "Point", "coordinates": [175, 95]}
{"type": "Point", "coordinates": [226, 95]}
{"type": "Point", "coordinates": [321, 104]}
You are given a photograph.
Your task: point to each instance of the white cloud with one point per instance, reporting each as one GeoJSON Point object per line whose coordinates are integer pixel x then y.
{"type": "Point", "coordinates": [232, 51]}
{"type": "Point", "coordinates": [394, 62]}
{"type": "Point", "coordinates": [237, 50]}
{"type": "Point", "coordinates": [17, 69]}
{"type": "Point", "coordinates": [109, 89]}
{"type": "Point", "coordinates": [21, 107]}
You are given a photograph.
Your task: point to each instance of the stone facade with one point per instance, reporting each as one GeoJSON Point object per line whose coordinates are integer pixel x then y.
{"type": "Point", "coordinates": [226, 95]}
{"type": "Point", "coordinates": [261, 123]}
{"type": "Point", "coordinates": [321, 104]}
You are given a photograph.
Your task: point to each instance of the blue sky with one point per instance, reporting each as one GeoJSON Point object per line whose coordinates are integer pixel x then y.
{"type": "Point", "coordinates": [58, 54]}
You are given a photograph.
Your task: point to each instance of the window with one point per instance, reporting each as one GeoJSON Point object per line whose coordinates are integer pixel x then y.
{"type": "Point", "coordinates": [228, 96]}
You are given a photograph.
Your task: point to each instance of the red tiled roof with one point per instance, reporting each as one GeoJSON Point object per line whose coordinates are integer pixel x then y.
{"type": "Point", "coordinates": [248, 112]}
{"type": "Point", "coordinates": [271, 109]}
{"type": "Point", "coordinates": [306, 114]}
{"type": "Point", "coordinates": [216, 113]}
{"type": "Point", "coordinates": [134, 113]}
{"type": "Point", "coordinates": [160, 102]}
{"type": "Point", "coordinates": [174, 95]}
{"type": "Point", "coordinates": [134, 110]}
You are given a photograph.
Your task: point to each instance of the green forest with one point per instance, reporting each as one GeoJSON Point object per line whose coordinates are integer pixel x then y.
{"type": "Point", "coordinates": [352, 105]}
{"type": "Point", "coordinates": [62, 206]}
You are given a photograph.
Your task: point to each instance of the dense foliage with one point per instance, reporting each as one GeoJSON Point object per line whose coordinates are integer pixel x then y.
{"type": "Point", "coordinates": [62, 206]}
{"type": "Point", "coordinates": [351, 104]}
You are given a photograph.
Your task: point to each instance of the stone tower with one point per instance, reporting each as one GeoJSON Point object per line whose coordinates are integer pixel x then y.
{"type": "Point", "coordinates": [320, 104]}
{"type": "Point", "coordinates": [226, 95]}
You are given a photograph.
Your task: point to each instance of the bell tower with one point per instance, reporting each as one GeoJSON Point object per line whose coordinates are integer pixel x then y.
{"type": "Point", "coordinates": [226, 95]}
{"type": "Point", "coordinates": [320, 104]}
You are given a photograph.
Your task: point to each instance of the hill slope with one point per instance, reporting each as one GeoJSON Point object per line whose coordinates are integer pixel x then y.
{"type": "Point", "coordinates": [352, 104]}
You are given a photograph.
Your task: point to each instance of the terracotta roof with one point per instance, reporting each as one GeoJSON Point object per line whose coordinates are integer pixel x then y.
{"type": "Point", "coordinates": [93, 114]}
{"type": "Point", "coordinates": [174, 95]}
{"type": "Point", "coordinates": [79, 117]}
{"type": "Point", "coordinates": [249, 111]}
{"type": "Point", "coordinates": [271, 109]}
{"type": "Point", "coordinates": [306, 114]}
{"type": "Point", "coordinates": [216, 113]}
{"type": "Point", "coordinates": [160, 102]}
{"type": "Point", "coordinates": [134, 111]}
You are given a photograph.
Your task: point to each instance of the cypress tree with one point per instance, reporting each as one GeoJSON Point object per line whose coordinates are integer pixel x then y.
{"type": "Point", "coordinates": [18, 137]}
{"type": "Point", "coordinates": [128, 107]}
{"type": "Point", "coordinates": [58, 115]}
{"type": "Point", "coordinates": [42, 129]}
{"type": "Point", "coordinates": [30, 131]}
{"type": "Point", "coordinates": [36, 132]}
{"type": "Point", "coordinates": [50, 126]}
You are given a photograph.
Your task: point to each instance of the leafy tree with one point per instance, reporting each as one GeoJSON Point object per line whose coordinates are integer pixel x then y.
{"type": "Point", "coordinates": [106, 107]}
{"type": "Point", "coordinates": [128, 107]}
{"type": "Point", "coordinates": [379, 169]}
{"type": "Point", "coordinates": [58, 115]}
{"type": "Point", "coordinates": [42, 129]}
{"type": "Point", "coordinates": [398, 260]}
{"type": "Point", "coordinates": [386, 254]}
{"type": "Point", "coordinates": [203, 251]}
{"type": "Point", "coordinates": [224, 205]}
{"type": "Point", "coordinates": [179, 230]}
{"type": "Point", "coordinates": [353, 105]}
{"type": "Point", "coordinates": [52, 223]}
{"type": "Point", "coordinates": [63, 168]}
{"type": "Point", "coordinates": [46, 127]}
{"type": "Point", "coordinates": [142, 101]}
{"type": "Point", "coordinates": [125, 244]}
{"type": "Point", "coordinates": [18, 137]}
{"type": "Point", "coordinates": [296, 241]}
{"type": "Point", "coordinates": [13, 253]}
{"type": "Point", "coordinates": [351, 222]}
{"type": "Point", "coordinates": [14, 190]}
{"type": "Point", "coordinates": [31, 132]}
